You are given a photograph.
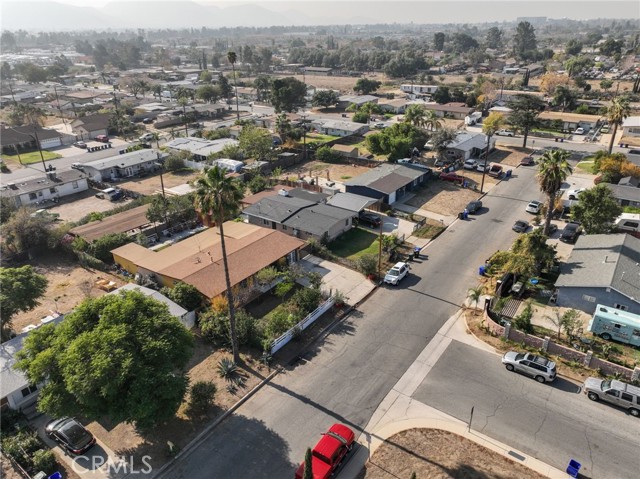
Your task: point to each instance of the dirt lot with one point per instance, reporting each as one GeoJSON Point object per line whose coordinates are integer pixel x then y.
{"type": "Point", "coordinates": [326, 171]}
{"type": "Point", "coordinates": [125, 441]}
{"type": "Point", "coordinates": [433, 453]}
{"type": "Point", "coordinates": [69, 284]}
{"type": "Point", "coordinates": [75, 207]}
{"type": "Point", "coordinates": [151, 184]}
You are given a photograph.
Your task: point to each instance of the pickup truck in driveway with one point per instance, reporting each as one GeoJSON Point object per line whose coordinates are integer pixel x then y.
{"type": "Point", "coordinates": [495, 171]}
{"type": "Point", "coordinates": [329, 452]}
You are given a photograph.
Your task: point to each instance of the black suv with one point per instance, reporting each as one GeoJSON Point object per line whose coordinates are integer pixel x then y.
{"type": "Point", "coordinates": [369, 219]}
{"type": "Point", "coordinates": [570, 233]}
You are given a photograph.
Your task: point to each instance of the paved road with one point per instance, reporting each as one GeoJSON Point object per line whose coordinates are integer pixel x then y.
{"type": "Point", "coordinates": [346, 376]}
{"type": "Point", "coordinates": [552, 422]}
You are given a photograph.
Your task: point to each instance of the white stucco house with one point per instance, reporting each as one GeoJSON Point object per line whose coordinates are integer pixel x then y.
{"type": "Point", "coordinates": [53, 185]}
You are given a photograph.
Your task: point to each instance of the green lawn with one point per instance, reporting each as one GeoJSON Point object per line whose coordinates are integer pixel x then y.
{"type": "Point", "coordinates": [355, 243]}
{"type": "Point", "coordinates": [319, 138]}
{"type": "Point", "coordinates": [32, 157]}
{"type": "Point", "coordinates": [587, 167]}
{"type": "Point", "coordinates": [429, 230]}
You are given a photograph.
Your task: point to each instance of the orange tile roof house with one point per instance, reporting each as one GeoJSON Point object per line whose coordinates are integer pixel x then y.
{"type": "Point", "coordinates": [198, 260]}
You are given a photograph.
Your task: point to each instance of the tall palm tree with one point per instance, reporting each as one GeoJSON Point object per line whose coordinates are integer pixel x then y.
{"type": "Point", "coordinates": [231, 56]}
{"type": "Point", "coordinates": [219, 195]}
{"type": "Point", "coordinates": [432, 121]}
{"type": "Point", "coordinates": [553, 170]}
{"type": "Point", "coordinates": [616, 113]}
{"type": "Point", "coordinates": [415, 115]}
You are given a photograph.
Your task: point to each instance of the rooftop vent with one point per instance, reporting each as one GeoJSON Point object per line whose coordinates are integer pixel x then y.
{"type": "Point", "coordinates": [283, 192]}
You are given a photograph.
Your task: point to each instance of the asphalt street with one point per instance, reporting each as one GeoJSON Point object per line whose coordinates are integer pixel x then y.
{"type": "Point", "coordinates": [345, 377]}
{"type": "Point", "coordinates": [553, 422]}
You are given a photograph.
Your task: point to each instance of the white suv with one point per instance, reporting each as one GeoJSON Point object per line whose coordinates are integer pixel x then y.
{"type": "Point", "coordinates": [395, 274]}
{"type": "Point", "coordinates": [539, 368]}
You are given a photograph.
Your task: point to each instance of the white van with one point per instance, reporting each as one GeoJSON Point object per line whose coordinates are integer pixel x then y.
{"type": "Point", "coordinates": [628, 222]}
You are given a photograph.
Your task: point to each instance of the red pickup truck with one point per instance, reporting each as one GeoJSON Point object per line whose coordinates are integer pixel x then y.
{"type": "Point", "coordinates": [329, 452]}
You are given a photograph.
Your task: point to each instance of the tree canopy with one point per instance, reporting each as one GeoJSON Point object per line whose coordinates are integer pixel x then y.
{"type": "Point", "coordinates": [525, 114]}
{"type": "Point", "coordinates": [553, 170]}
{"type": "Point", "coordinates": [396, 141]}
{"type": "Point", "coordinates": [325, 98]}
{"type": "Point", "coordinates": [524, 42]}
{"type": "Point", "coordinates": [288, 94]}
{"type": "Point", "coordinates": [366, 86]}
{"type": "Point", "coordinates": [20, 289]}
{"type": "Point", "coordinates": [596, 210]}
{"type": "Point", "coordinates": [119, 356]}
{"type": "Point", "coordinates": [256, 142]}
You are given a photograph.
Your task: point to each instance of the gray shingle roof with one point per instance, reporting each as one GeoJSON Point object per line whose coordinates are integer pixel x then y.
{"type": "Point", "coordinates": [174, 308]}
{"type": "Point", "coordinates": [277, 208]}
{"type": "Point", "coordinates": [387, 177]}
{"type": "Point", "coordinates": [303, 194]}
{"type": "Point", "coordinates": [318, 219]}
{"type": "Point", "coordinates": [24, 134]}
{"type": "Point", "coordinates": [628, 193]}
{"type": "Point", "coordinates": [40, 183]}
{"type": "Point", "coordinates": [603, 261]}
{"type": "Point", "coordinates": [350, 201]}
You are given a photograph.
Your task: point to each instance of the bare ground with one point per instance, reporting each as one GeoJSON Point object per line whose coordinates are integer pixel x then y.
{"type": "Point", "coordinates": [151, 184]}
{"type": "Point", "coordinates": [437, 454]}
{"type": "Point", "coordinates": [328, 171]}
{"type": "Point", "coordinates": [443, 197]}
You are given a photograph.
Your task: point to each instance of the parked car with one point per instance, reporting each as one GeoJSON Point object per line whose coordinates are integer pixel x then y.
{"type": "Point", "coordinates": [80, 144]}
{"type": "Point", "coordinates": [147, 121]}
{"type": "Point", "coordinates": [102, 138]}
{"type": "Point", "coordinates": [329, 452]}
{"type": "Point", "coordinates": [474, 206]}
{"type": "Point", "coordinates": [452, 177]}
{"type": "Point", "coordinates": [470, 164]}
{"type": "Point", "coordinates": [540, 368]}
{"type": "Point", "coordinates": [77, 166]}
{"type": "Point", "coordinates": [380, 125]}
{"type": "Point", "coordinates": [574, 194]}
{"type": "Point", "coordinates": [534, 207]}
{"type": "Point", "coordinates": [371, 220]}
{"type": "Point", "coordinates": [504, 132]}
{"type": "Point", "coordinates": [495, 171]}
{"type": "Point", "coordinates": [71, 435]}
{"type": "Point", "coordinates": [570, 233]}
{"type": "Point", "coordinates": [527, 161]}
{"type": "Point", "coordinates": [482, 167]}
{"type": "Point", "coordinates": [146, 137]}
{"type": "Point", "coordinates": [614, 392]}
{"type": "Point", "coordinates": [520, 226]}
{"type": "Point", "coordinates": [43, 213]}
{"type": "Point", "coordinates": [395, 274]}
{"type": "Point", "coordinates": [579, 131]}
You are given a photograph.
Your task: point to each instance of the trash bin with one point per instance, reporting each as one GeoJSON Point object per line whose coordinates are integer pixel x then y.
{"type": "Point", "coordinates": [461, 215]}
{"type": "Point", "coordinates": [573, 468]}
{"type": "Point", "coordinates": [416, 252]}
{"type": "Point", "coordinates": [509, 173]}
{"type": "Point", "coordinates": [482, 270]}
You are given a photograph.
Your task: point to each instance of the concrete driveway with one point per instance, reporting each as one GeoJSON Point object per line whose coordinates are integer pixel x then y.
{"type": "Point", "coordinates": [336, 277]}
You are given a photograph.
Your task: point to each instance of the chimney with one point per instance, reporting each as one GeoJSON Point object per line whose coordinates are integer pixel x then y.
{"type": "Point", "coordinates": [52, 175]}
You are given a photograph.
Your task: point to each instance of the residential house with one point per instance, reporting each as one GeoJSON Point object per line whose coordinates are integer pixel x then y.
{"type": "Point", "coordinates": [469, 145]}
{"type": "Point", "coordinates": [209, 110]}
{"type": "Point", "coordinates": [631, 126]}
{"type": "Point", "coordinates": [246, 93]}
{"type": "Point", "coordinates": [340, 127]}
{"type": "Point", "coordinates": [345, 101]}
{"type": "Point", "coordinates": [299, 217]}
{"type": "Point", "coordinates": [197, 260]}
{"type": "Point", "coordinates": [187, 318]}
{"type": "Point", "coordinates": [503, 97]}
{"type": "Point", "coordinates": [253, 199]}
{"type": "Point", "coordinates": [396, 106]}
{"type": "Point", "coordinates": [348, 151]}
{"type": "Point", "coordinates": [388, 182]}
{"type": "Point", "coordinates": [51, 186]}
{"type": "Point", "coordinates": [131, 222]}
{"type": "Point", "coordinates": [453, 110]}
{"type": "Point", "coordinates": [602, 269]}
{"type": "Point", "coordinates": [199, 147]}
{"type": "Point", "coordinates": [351, 202]}
{"type": "Point", "coordinates": [626, 194]}
{"type": "Point", "coordinates": [419, 89]}
{"type": "Point", "coordinates": [125, 165]}
{"type": "Point", "coordinates": [570, 121]}
{"type": "Point", "coordinates": [90, 126]}
{"type": "Point", "coordinates": [26, 138]}
{"type": "Point", "coordinates": [85, 97]}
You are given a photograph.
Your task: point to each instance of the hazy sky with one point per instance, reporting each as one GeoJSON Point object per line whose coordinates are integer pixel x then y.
{"type": "Point", "coordinates": [425, 11]}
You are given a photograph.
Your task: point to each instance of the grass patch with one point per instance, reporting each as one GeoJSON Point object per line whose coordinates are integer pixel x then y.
{"type": "Point", "coordinates": [345, 177]}
{"type": "Point", "coordinates": [430, 230]}
{"type": "Point", "coordinates": [319, 138]}
{"type": "Point", "coordinates": [32, 157]}
{"type": "Point", "coordinates": [355, 243]}
{"type": "Point", "coordinates": [587, 167]}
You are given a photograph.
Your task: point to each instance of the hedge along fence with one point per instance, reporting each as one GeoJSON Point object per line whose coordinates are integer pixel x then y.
{"type": "Point", "coordinates": [587, 359]}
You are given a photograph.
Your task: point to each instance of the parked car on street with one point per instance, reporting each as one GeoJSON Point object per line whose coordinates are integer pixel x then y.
{"type": "Point", "coordinates": [570, 233]}
{"type": "Point", "coordinates": [520, 226]}
{"type": "Point", "coordinates": [534, 207]}
{"type": "Point", "coordinates": [395, 274]}
{"type": "Point", "coordinates": [527, 161]}
{"type": "Point", "coordinates": [80, 144]}
{"type": "Point", "coordinates": [504, 132]}
{"type": "Point", "coordinates": [541, 369]}
{"type": "Point", "coordinates": [329, 452]}
{"type": "Point", "coordinates": [579, 131]}
{"type": "Point", "coordinates": [474, 206]}
{"type": "Point", "coordinates": [614, 392]}
{"type": "Point", "coordinates": [102, 138]}
{"type": "Point", "coordinates": [369, 219]}
{"type": "Point", "coordinates": [71, 435]}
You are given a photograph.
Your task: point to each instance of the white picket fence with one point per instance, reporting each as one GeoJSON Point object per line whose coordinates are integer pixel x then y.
{"type": "Point", "coordinates": [278, 343]}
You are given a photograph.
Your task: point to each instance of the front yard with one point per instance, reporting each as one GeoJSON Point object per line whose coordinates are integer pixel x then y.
{"type": "Point", "coordinates": [355, 243]}
{"type": "Point", "coordinates": [31, 157]}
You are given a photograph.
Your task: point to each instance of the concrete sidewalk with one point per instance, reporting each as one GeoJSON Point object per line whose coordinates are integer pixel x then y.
{"type": "Point", "coordinates": [398, 411]}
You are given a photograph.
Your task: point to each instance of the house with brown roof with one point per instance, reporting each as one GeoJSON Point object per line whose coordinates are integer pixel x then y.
{"type": "Point", "coordinates": [132, 222]}
{"type": "Point", "coordinates": [348, 151]}
{"type": "Point", "coordinates": [570, 121]}
{"type": "Point", "coordinates": [26, 138]}
{"type": "Point", "coordinates": [450, 110]}
{"type": "Point", "coordinates": [197, 260]}
{"type": "Point", "coordinates": [90, 126]}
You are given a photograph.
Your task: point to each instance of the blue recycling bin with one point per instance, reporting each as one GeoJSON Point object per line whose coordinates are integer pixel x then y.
{"type": "Point", "coordinates": [508, 174]}
{"type": "Point", "coordinates": [55, 475]}
{"type": "Point", "coordinates": [482, 270]}
{"type": "Point", "coordinates": [573, 469]}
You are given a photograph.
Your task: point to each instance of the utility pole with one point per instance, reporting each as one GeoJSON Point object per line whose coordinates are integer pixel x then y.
{"type": "Point", "coordinates": [486, 163]}
{"type": "Point", "coordinates": [304, 137]}
{"type": "Point", "coordinates": [380, 251]}
{"type": "Point", "coordinates": [35, 137]}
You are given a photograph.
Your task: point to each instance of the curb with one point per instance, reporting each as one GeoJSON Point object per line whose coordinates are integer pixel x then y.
{"type": "Point", "coordinates": [188, 449]}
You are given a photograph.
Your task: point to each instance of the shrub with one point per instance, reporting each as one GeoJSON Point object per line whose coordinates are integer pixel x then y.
{"type": "Point", "coordinates": [257, 184]}
{"type": "Point", "coordinates": [201, 395]}
{"type": "Point", "coordinates": [227, 368]}
{"type": "Point", "coordinates": [368, 264]}
{"type": "Point", "coordinates": [101, 248]}
{"type": "Point", "coordinates": [215, 327]}
{"type": "Point", "coordinates": [327, 155]}
{"type": "Point", "coordinates": [278, 323]}
{"type": "Point", "coordinates": [523, 320]}
{"type": "Point", "coordinates": [220, 304]}
{"type": "Point", "coordinates": [185, 295]}
{"type": "Point", "coordinates": [307, 299]}
{"type": "Point", "coordinates": [266, 275]}
{"type": "Point", "coordinates": [44, 460]}
{"type": "Point", "coordinates": [283, 288]}
{"type": "Point", "coordinates": [9, 420]}
{"type": "Point", "coordinates": [174, 163]}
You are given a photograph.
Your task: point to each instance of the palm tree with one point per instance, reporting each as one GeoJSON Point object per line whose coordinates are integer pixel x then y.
{"type": "Point", "coordinates": [219, 195]}
{"type": "Point", "coordinates": [156, 138]}
{"type": "Point", "coordinates": [415, 115]}
{"type": "Point", "coordinates": [474, 295]}
{"type": "Point", "coordinates": [616, 113]}
{"type": "Point", "coordinates": [553, 170]}
{"type": "Point", "coordinates": [231, 56]}
{"type": "Point", "coordinates": [431, 120]}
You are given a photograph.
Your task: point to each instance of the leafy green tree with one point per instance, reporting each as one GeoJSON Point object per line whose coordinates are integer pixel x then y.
{"type": "Point", "coordinates": [564, 97]}
{"type": "Point", "coordinates": [396, 141]}
{"type": "Point", "coordinates": [415, 115]}
{"type": "Point", "coordinates": [524, 42]}
{"type": "Point", "coordinates": [596, 210]}
{"type": "Point", "coordinates": [225, 88]}
{"type": "Point", "coordinates": [20, 289]}
{"type": "Point", "coordinates": [25, 233]}
{"type": "Point", "coordinates": [219, 195]}
{"type": "Point", "coordinates": [157, 211]}
{"type": "Point", "coordinates": [206, 76]}
{"type": "Point", "coordinates": [442, 95]}
{"type": "Point", "coordinates": [526, 109]}
{"type": "Point", "coordinates": [7, 209]}
{"type": "Point", "coordinates": [209, 93]}
{"type": "Point", "coordinates": [494, 37]}
{"type": "Point", "coordinates": [553, 170]}
{"type": "Point", "coordinates": [325, 98]}
{"type": "Point", "coordinates": [438, 41]}
{"type": "Point", "coordinates": [308, 465]}
{"type": "Point", "coordinates": [184, 294]}
{"type": "Point", "coordinates": [441, 139]}
{"type": "Point", "coordinates": [616, 114]}
{"type": "Point", "coordinates": [431, 120]}
{"type": "Point", "coordinates": [257, 184]}
{"type": "Point", "coordinates": [288, 94]}
{"type": "Point", "coordinates": [573, 47]}
{"type": "Point", "coordinates": [611, 46]}
{"type": "Point", "coordinates": [118, 356]}
{"type": "Point", "coordinates": [174, 163]}
{"type": "Point", "coordinates": [365, 86]}
{"type": "Point", "coordinates": [327, 155]}
{"type": "Point", "coordinates": [101, 248]}
{"type": "Point", "coordinates": [201, 395]}
{"type": "Point", "coordinates": [256, 143]}
{"type": "Point", "coordinates": [606, 84]}
{"type": "Point", "coordinates": [262, 85]}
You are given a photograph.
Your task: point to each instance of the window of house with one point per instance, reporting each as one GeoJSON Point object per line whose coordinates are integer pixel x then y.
{"type": "Point", "coordinates": [32, 196]}
{"type": "Point", "coordinates": [39, 193]}
{"type": "Point", "coordinates": [28, 390]}
{"type": "Point", "coordinates": [74, 184]}
{"type": "Point", "coordinates": [346, 222]}
{"type": "Point", "coordinates": [265, 222]}
{"type": "Point", "coordinates": [591, 299]}
{"type": "Point", "coordinates": [52, 190]}
{"type": "Point", "coordinates": [621, 307]}
{"type": "Point", "coordinates": [284, 228]}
